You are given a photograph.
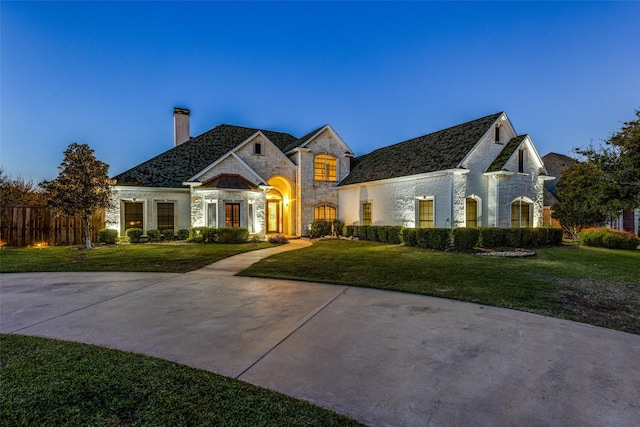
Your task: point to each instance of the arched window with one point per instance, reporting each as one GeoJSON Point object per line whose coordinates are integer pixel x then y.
{"type": "Point", "coordinates": [325, 212]}
{"type": "Point", "coordinates": [520, 214]}
{"type": "Point", "coordinates": [324, 168]}
{"type": "Point", "coordinates": [471, 212]}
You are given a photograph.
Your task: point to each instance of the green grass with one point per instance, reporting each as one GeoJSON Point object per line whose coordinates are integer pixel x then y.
{"type": "Point", "coordinates": [169, 258]}
{"type": "Point", "coordinates": [50, 382]}
{"type": "Point", "coordinates": [591, 285]}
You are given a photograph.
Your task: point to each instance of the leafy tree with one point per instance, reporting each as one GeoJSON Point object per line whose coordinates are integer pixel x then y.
{"type": "Point", "coordinates": [19, 191]}
{"type": "Point", "coordinates": [582, 196]}
{"type": "Point", "coordinates": [82, 186]}
{"type": "Point", "coordinates": [619, 160]}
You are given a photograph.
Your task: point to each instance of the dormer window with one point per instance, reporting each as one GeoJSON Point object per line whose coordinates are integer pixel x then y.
{"type": "Point", "coordinates": [496, 137]}
{"type": "Point", "coordinates": [257, 148]}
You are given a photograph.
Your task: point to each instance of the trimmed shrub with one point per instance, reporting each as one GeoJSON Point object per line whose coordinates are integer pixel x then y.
{"type": "Point", "coordinates": [203, 235]}
{"type": "Point", "coordinates": [167, 235]}
{"type": "Point", "coordinates": [183, 234]}
{"type": "Point", "coordinates": [108, 236]}
{"type": "Point", "coordinates": [154, 235]}
{"type": "Point", "coordinates": [382, 232]}
{"type": "Point", "coordinates": [608, 238]}
{"type": "Point", "coordinates": [393, 234]}
{"type": "Point", "coordinates": [232, 235]}
{"type": "Point", "coordinates": [409, 236]}
{"type": "Point", "coordinates": [493, 237]}
{"type": "Point", "coordinates": [320, 228]}
{"type": "Point", "coordinates": [134, 234]}
{"type": "Point", "coordinates": [371, 233]}
{"type": "Point", "coordinates": [434, 238]}
{"type": "Point", "coordinates": [348, 231]}
{"type": "Point", "coordinates": [465, 239]}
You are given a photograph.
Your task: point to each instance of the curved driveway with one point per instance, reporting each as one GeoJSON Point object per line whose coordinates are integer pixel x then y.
{"type": "Point", "coordinates": [381, 357]}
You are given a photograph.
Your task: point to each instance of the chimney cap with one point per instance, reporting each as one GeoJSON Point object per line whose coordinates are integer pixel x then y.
{"type": "Point", "coordinates": [181, 111]}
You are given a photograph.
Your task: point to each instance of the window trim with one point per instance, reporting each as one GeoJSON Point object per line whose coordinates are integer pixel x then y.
{"type": "Point", "coordinates": [521, 201]}
{"type": "Point", "coordinates": [209, 205]}
{"type": "Point", "coordinates": [124, 214]}
{"type": "Point", "coordinates": [230, 222]}
{"type": "Point", "coordinates": [367, 220]}
{"type": "Point", "coordinates": [419, 211]}
{"type": "Point", "coordinates": [478, 202]}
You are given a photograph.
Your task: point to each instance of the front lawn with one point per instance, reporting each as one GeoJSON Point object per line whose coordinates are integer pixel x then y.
{"type": "Point", "coordinates": [58, 383]}
{"type": "Point", "coordinates": [167, 258]}
{"type": "Point", "coordinates": [591, 285]}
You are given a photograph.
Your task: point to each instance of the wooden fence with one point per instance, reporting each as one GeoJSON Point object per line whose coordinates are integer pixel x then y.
{"type": "Point", "coordinates": [22, 225]}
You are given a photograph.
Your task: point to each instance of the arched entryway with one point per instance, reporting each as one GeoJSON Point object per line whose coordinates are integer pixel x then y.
{"type": "Point", "coordinates": [279, 206]}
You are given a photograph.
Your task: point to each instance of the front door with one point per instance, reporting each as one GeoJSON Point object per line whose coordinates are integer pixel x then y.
{"type": "Point", "coordinates": [273, 216]}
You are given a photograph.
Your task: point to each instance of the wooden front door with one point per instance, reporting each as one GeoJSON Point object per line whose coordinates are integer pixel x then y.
{"type": "Point", "coordinates": [273, 216]}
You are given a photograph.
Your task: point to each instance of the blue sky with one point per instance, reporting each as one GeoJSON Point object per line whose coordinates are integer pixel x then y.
{"type": "Point", "coordinates": [109, 73]}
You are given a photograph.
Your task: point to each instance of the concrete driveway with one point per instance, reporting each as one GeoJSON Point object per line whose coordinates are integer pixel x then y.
{"type": "Point", "coordinates": [381, 357]}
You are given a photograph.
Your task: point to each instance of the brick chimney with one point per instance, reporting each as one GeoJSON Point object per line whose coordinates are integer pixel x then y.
{"type": "Point", "coordinates": [180, 126]}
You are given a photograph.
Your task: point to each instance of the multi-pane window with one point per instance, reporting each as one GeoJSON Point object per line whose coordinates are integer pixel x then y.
{"type": "Point", "coordinates": [165, 216]}
{"type": "Point", "coordinates": [325, 212]}
{"type": "Point", "coordinates": [520, 214]}
{"type": "Point", "coordinates": [425, 213]}
{"type": "Point", "coordinates": [133, 215]}
{"type": "Point", "coordinates": [324, 168]}
{"type": "Point", "coordinates": [366, 214]}
{"type": "Point", "coordinates": [232, 215]}
{"type": "Point", "coordinates": [471, 208]}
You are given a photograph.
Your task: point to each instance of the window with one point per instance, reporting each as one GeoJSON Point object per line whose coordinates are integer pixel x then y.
{"type": "Point", "coordinates": [521, 161]}
{"type": "Point", "coordinates": [165, 216]}
{"type": "Point", "coordinates": [425, 213]}
{"type": "Point", "coordinates": [212, 215]}
{"type": "Point", "coordinates": [133, 215]}
{"type": "Point", "coordinates": [257, 148]}
{"type": "Point", "coordinates": [471, 208]}
{"type": "Point", "coordinates": [366, 214]}
{"type": "Point", "coordinates": [324, 167]}
{"type": "Point", "coordinates": [325, 212]}
{"type": "Point", "coordinates": [232, 214]}
{"type": "Point", "coordinates": [520, 214]}
{"type": "Point", "coordinates": [496, 137]}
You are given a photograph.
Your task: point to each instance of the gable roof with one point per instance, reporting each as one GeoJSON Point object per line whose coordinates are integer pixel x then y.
{"type": "Point", "coordinates": [441, 150]}
{"type": "Point", "coordinates": [177, 165]}
{"type": "Point", "coordinates": [297, 143]}
{"type": "Point", "coordinates": [554, 163]}
{"type": "Point", "coordinates": [506, 153]}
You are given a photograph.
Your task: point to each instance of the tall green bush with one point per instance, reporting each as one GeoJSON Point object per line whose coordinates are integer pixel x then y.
{"type": "Point", "coordinates": [320, 228]}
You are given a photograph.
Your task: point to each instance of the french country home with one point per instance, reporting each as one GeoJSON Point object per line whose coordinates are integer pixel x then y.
{"type": "Point", "coordinates": [479, 173]}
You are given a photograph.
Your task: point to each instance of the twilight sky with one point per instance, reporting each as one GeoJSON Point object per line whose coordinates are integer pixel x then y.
{"type": "Point", "coordinates": [109, 73]}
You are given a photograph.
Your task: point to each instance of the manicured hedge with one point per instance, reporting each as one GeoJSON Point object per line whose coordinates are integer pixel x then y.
{"type": "Point", "coordinates": [608, 238]}
{"type": "Point", "coordinates": [459, 239]}
{"type": "Point", "coordinates": [154, 235]}
{"type": "Point", "coordinates": [167, 235]}
{"type": "Point", "coordinates": [219, 235]}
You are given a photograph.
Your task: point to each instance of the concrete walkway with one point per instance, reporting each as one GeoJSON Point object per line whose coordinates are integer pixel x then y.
{"type": "Point", "coordinates": [381, 357]}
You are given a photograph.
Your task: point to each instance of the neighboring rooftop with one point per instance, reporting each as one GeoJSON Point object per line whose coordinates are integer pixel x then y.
{"type": "Point", "coordinates": [554, 163]}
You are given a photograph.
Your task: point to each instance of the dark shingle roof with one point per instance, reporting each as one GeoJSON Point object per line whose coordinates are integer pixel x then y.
{"type": "Point", "coordinates": [177, 165]}
{"type": "Point", "coordinates": [506, 153]}
{"type": "Point", "coordinates": [436, 151]}
{"type": "Point", "coordinates": [301, 141]}
{"type": "Point", "coordinates": [554, 163]}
